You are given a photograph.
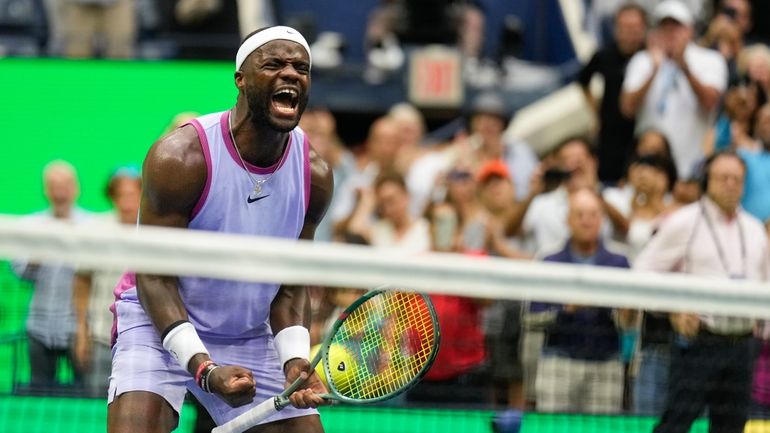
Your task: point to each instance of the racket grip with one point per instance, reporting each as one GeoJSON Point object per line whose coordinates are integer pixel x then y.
{"type": "Point", "coordinates": [250, 418]}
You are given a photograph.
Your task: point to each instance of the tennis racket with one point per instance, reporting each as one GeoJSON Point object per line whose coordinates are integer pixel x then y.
{"type": "Point", "coordinates": [379, 347]}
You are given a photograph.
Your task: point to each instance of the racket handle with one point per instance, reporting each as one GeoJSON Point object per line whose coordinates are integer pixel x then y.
{"type": "Point", "coordinates": [252, 417]}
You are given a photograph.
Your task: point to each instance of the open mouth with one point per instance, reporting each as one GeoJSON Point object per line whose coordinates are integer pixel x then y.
{"type": "Point", "coordinates": [285, 101]}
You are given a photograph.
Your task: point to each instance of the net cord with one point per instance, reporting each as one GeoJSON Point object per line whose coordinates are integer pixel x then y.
{"type": "Point", "coordinates": [170, 251]}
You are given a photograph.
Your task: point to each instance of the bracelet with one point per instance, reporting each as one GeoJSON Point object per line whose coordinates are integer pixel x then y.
{"type": "Point", "coordinates": [182, 342]}
{"type": "Point", "coordinates": [205, 377]}
{"type": "Point", "coordinates": [200, 369]}
{"type": "Point", "coordinates": [292, 342]}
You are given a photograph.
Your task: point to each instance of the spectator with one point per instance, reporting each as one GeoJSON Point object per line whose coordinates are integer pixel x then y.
{"type": "Point", "coordinates": [393, 227]}
{"type": "Point", "coordinates": [543, 217]}
{"type": "Point", "coordinates": [321, 129]}
{"type": "Point", "coordinates": [93, 292]}
{"type": "Point", "coordinates": [379, 156]}
{"type": "Point", "coordinates": [51, 318]}
{"type": "Point", "coordinates": [642, 206]}
{"type": "Point", "coordinates": [756, 154]}
{"type": "Point", "coordinates": [727, 32]}
{"type": "Point", "coordinates": [615, 130]}
{"type": "Point", "coordinates": [113, 20]}
{"type": "Point", "coordinates": [735, 122]}
{"type": "Point", "coordinates": [711, 356]}
{"type": "Point", "coordinates": [754, 69]}
{"type": "Point", "coordinates": [487, 121]}
{"type": "Point", "coordinates": [496, 193]}
{"type": "Point", "coordinates": [473, 222]}
{"type": "Point", "coordinates": [458, 373]}
{"type": "Point", "coordinates": [580, 368]}
{"type": "Point", "coordinates": [731, 14]}
{"type": "Point", "coordinates": [502, 319]}
{"type": "Point", "coordinates": [674, 85]}
{"type": "Point", "coordinates": [653, 142]}
{"type": "Point", "coordinates": [411, 130]}
{"type": "Point", "coordinates": [637, 208]}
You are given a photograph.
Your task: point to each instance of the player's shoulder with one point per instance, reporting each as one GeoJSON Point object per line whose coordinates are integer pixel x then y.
{"type": "Point", "coordinates": [175, 169]}
{"type": "Point", "coordinates": [180, 149]}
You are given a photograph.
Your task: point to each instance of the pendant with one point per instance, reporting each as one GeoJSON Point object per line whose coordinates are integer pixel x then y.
{"type": "Point", "coordinates": [258, 189]}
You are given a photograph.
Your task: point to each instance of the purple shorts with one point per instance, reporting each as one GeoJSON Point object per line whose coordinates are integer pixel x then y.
{"type": "Point", "coordinates": [139, 363]}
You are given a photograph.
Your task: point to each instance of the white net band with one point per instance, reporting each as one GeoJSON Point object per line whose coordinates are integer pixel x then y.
{"type": "Point", "coordinates": [196, 253]}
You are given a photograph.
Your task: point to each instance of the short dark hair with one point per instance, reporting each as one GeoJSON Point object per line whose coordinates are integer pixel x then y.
{"type": "Point", "coordinates": [632, 7]}
{"type": "Point", "coordinates": [583, 140]}
{"type": "Point", "coordinates": [129, 173]}
{"type": "Point", "coordinates": [661, 163]}
{"type": "Point", "coordinates": [390, 176]}
{"type": "Point", "coordinates": [706, 170]}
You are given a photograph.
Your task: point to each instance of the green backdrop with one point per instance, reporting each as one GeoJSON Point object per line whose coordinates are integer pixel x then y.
{"type": "Point", "coordinates": [97, 115]}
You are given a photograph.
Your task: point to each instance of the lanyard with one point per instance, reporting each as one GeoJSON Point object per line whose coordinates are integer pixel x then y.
{"type": "Point", "coordinates": [720, 251]}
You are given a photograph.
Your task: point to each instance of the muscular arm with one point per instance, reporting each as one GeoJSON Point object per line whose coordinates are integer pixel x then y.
{"type": "Point", "coordinates": [291, 305]}
{"type": "Point", "coordinates": [174, 177]}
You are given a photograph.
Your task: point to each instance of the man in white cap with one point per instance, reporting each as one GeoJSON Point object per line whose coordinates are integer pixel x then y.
{"type": "Point", "coordinates": [248, 170]}
{"type": "Point", "coordinates": [674, 85]}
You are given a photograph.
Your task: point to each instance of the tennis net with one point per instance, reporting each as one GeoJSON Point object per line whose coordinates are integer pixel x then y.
{"type": "Point", "coordinates": [525, 344]}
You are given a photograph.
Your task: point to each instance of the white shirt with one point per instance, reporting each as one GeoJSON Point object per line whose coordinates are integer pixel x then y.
{"type": "Point", "coordinates": [415, 240]}
{"type": "Point", "coordinates": [685, 243]}
{"type": "Point", "coordinates": [672, 106]}
{"type": "Point", "coordinates": [421, 178]}
{"type": "Point", "coordinates": [545, 222]}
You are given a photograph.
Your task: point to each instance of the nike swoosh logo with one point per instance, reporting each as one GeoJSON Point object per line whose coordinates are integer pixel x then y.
{"type": "Point", "coordinates": [252, 200]}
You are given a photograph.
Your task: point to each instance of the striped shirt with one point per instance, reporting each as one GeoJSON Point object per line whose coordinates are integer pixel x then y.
{"type": "Point", "coordinates": [51, 317]}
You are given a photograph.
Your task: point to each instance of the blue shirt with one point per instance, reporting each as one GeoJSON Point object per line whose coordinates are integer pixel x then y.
{"type": "Point", "coordinates": [588, 333]}
{"type": "Point", "coordinates": [756, 194]}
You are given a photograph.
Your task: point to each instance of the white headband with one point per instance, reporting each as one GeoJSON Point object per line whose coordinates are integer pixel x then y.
{"type": "Point", "coordinates": [269, 34]}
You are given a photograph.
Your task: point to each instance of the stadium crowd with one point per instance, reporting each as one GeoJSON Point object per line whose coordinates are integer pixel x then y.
{"type": "Point", "coordinates": [675, 178]}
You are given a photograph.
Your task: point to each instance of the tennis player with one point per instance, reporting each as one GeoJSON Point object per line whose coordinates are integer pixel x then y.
{"type": "Point", "coordinates": [251, 171]}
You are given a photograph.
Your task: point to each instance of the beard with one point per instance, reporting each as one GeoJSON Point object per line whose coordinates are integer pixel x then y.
{"type": "Point", "coordinates": [260, 102]}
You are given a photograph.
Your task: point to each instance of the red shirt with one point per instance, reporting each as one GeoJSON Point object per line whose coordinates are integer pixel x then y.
{"type": "Point", "coordinates": [462, 341]}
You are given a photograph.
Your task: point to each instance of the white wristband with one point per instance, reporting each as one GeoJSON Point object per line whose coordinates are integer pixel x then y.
{"type": "Point", "coordinates": [292, 342]}
{"type": "Point", "coordinates": [183, 343]}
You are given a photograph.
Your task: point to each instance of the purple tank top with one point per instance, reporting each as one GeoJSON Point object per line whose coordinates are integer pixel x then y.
{"type": "Point", "coordinates": [234, 309]}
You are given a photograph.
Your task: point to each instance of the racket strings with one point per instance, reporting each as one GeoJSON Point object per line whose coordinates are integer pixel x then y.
{"type": "Point", "coordinates": [390, 338]}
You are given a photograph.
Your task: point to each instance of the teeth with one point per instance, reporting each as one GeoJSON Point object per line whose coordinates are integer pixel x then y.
{"type": "Point", "coordinates": [290, 92]}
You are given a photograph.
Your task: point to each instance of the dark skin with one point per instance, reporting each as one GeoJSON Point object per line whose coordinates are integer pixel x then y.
{"type": "Point", "coordinates": [174, 178]}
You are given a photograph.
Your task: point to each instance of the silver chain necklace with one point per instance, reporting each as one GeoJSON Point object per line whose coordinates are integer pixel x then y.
{"type": "Point", "coordinates": [257, 182]}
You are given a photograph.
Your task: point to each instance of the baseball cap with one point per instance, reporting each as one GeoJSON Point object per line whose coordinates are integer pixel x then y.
{"type": "Point", "coordinates": [495, 168]}
{"type": "Point", "coordinates": [489, 103]}
{"type": "Point", "coordinates": [675, 10]}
